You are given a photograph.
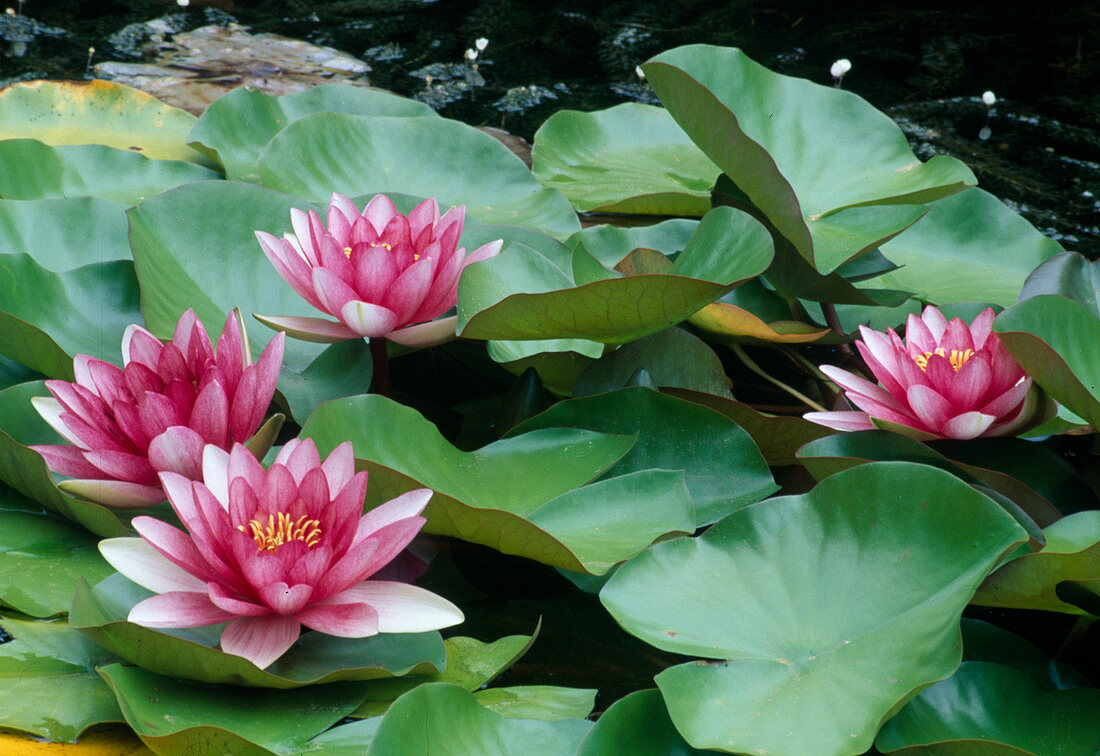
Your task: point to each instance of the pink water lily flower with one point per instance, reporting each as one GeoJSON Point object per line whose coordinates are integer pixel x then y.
{"type": "Point", "coordinates": [378, 272]}
{"type": "Point", "coordinates": [271, 550]}
{"type": "Point", "coordinates": [946, 380]}
{"type": "Point", "coordinates": [158, 411]}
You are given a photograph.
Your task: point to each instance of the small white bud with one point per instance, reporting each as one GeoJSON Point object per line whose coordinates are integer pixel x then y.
{"type": "Point", "coordinates": [470, 54]}
{"type": "Point", "coordinates": [840, 67]}
{"type": "Point", "coordinates": [481, 43]}
{"type": "Point", "coordinates": [989, 98]}
{"type": "Point", "coordinates": [638, 70]}
{"type": "Point", "coordinates": [10, 11]}
{"type": "Point", "coordinates": [984, 133]}
{"type": "Point", "coordinates": [183, 3]}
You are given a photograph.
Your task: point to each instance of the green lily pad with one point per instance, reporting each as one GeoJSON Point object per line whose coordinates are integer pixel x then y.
{"type": "Point", "coordinates": [458, 164]}
{"type": "Point", "coordinates": [437, 713]}
{"type": "Point", "coordinates": [794, 605]}
{"type": "Point", "coordinates": [637, 725]}
{"type": "Point", "coordinates": [559, 362]}
{"type": "Point", "coordinates": [31, 170]}
{"type": "Point", "coordinates": [777, 437]}
{"type": "Point", "coordinates": [346, 740]}
{"type": "Point", "coordinates": [985, 642]}
{"type": "Point", "coordinates": [631, 158]}
{"type": "Point", "coordinates": [546, 703]}
{"type": "Point", "coordinates": [1054, 339]}
{"type": "Point", "coordinates": [49, 683]}
{"type": "Point", "coordinates": [968, 248]}
{"type": "Point", "coordinates": [62, 234]}
{"type": "Point", "coordinates": [341, 369]}
{"type": "Point", "coordinates": [841, 451]}
{"type": "Point", "coordinates": [191, 653]}
{"type": "Point", "coordinates": [24, 469]}
{"type": "Point", "coordinates": [47, 318]}
{"type": "Point", "coordinates": [523, 495]}
{"type": "Point", "coordinates": [471, 664]}
{"type": "Point", "coordinates": [12, 373]}
{"type": "Point", "coordinates": [177, 717]}
{"type": "Point", "coordinates": [610, 244]}
{"type": "Point", "coordinates": [723, 469]}
{"type": "Point", "coordinates": [237, 126]}
{"type": "Point", "coordinates": [522, 295]}
{"type": "Point", "coordinates": [672, 357]}
{"type": "Point", "coordinates": [987, 708]}
{"type": "Point", "coordinates": [97, 112]}
{"type": "Point", "coordinates": [832, 174]}
{"type": "Point", "coordinates": [1069, 274]}
{"type": "Point", "coordinates": [42, 557]}
{"type": "Point", "coordinates": [1072, 552]}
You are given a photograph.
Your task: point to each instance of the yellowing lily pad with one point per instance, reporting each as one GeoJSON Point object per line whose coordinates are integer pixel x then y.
{"type": "Point", "coordinates": [725, 319]}
{"type": "Point", "coordinates": [97, 112]}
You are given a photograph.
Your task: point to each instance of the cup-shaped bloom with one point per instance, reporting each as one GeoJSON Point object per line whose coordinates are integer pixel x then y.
{"type": "Point", "coordinates": [158, 411]}
{"type": "Point", "coordinates": [271, 550]}
{"type": "Point", "coordinates": [945, 380]}
{"type": "Point", "coordinates": [378, 272]}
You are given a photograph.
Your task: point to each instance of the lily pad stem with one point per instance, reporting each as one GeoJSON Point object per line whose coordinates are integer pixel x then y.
{"type": "Point", "coordinates": [380, 359]}
{"type": "Point", "coordinates": [751, 365]}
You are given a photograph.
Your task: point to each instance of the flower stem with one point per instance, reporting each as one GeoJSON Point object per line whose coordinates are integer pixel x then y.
{"type": "Point", "coordinates": [760, 372]}
{"type": "Point", "coordinates": [380, 383]}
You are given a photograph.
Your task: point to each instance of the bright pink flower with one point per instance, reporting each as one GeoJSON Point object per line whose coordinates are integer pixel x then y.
{"type": "Point", "coordinates": [158, 411]}
{"type": "Point", "coordinates": [380, 273]}
{"type": "Point", "coordinates": [271, 550]}
{"type": "Point", "coordinates": [946, 380]}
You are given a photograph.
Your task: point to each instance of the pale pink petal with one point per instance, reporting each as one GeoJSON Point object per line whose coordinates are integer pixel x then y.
{"type": "Point", "coordinates": [339, 468]}
{"type": "Point", "coordinates": [354, 566]}
{"type": "Point", "coordinates": [842, 421]}
{"type": "Point", "coordinates": [375, 270]}
{"type": "Point", "coordinates": [230, 601]}
{"type": "Point", "coordinates": [178, 450]}
{"type": "Point", "coordinates": [261, 640]}
{"type": "Point", "coordinates": [918, 336]}
{"type": "Point", "coordinates": [185, 329]}
{"type": "Point", "coordinates": [51, 410]}
{"type": "Point", "coordinates": [243, 464]}
{"type": "Point", "coordinates": [301, 458]}
{"type": "Point", "coordinates": [333, 291]}
{"type": "Point", "coordinates": [1007, 401]}
{"type": "Point", "coordinates": [982, 327]}
{"type": "Point", "coordinates": [175, 546]}
{"type": "Point", "coordinates": [286, 599]}
{"type": "Point", "coordinates": [215, 467]}
{"type": "Point", "coordinates": [144, 565]}
{"type": "Point", "coordinates": [116, 494]}
{"type": "Point", "coordinates": [409, 289]}
{"type": "Point", "coordinates": [368, 320]}
{"type": "Point", "coordinates": [67, 460]}
{"type": "Point", "coordinates": [967, 426]}
{"type": "Point", "coordinates": [403, 608]}
{"type": "Point", "coordinates": [299, 221]}
{"type": "Point", "coordinates": [177, 609]}
{"type": "Point", "coordinates": [409, 504]}
{"type": "Point", "coordinates": [309, 329]}
{"type": "Point", "coordinates": [181, 496]}
{"type": "Point", "coordinates": [936, 323]}
{"type": "Point", "coordinates": [484, 252]}
{"type": "Point", "coordinates": [428, 334]}
{"type": "Point", "coordinates": [344, 204]}
{"type": "Point", "coordinates": [379, 211]}
{"type": "Point", "coordinates": [138, 345]}
{"type": "Point", "coordinates": [956, 338]}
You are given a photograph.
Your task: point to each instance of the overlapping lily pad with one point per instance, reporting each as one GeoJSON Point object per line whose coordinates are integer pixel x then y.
{"type": "Point", "coordinates": [235, 128]}
{"type": "Point", "coordinates": [97, 112]}
{"type": "Point", "coordinates": [42, 557]}
{"type": "Point", "coordinates": [796, 600]}
{"type": "Point", "coordinates": [63, 234]}
{"type": "Point", "coordinates": [24, 469]}
{"type": "Point", "coordinates": [610, 244]}
{"type": "Point", "coordinates": [991, 708]}
{"type": "Point", "coordinates": [835, 176]}
{"type": "Point", "coordinates": [423, 156]}
{"type": "Point", "coordinates": [1071, 553]}
{"type": "Point", "coordinates": [192, 654]}
{"type": "Point", "coordinates": [1070, 275]}
{"type": "Point", "coordinates": [48, 680]}
{"type": "Point", "coordinates": [968, 248]}
{"type": "Point", "coordinates": [545, 703]}
{"type": "Point", "coordinates": [1054, 339]}
{"type": "Point", "coordinates": [519, 495]}
{"type": "Point", "coordinates": [724, 470]}
{"type": "Point", "coordinates": [631, 158]}
{"type": "Point", "coordinates": [438, 713]}
{"type": "Point", "coordinates": [47, 318]}
{"type": "Point", "coordinates": [635, 725]}
{"type": "Point", "coordinates": [177, 717]}
{"type": "Point", "coordinates": [522, 295]}
{"type": "Point", "coordinates": [31, 170]}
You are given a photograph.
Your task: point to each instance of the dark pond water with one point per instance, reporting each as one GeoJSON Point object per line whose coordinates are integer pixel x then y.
{"type": "Point", "coordinates": [927, 65]}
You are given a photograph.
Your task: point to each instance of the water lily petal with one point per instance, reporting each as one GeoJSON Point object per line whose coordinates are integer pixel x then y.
{"type": "Point", "coordinates": [403, 608]}
{"type": "Point", "coordinates": [261, 640]}
{"type": "Point", "coordinates": [409, 504]}
{"type": "Point", "coordinates": [350, 619]}
{"type": "Point", "coordinates": [369, 320]}
{"type": "Point", "coordinates": [432, 333]}
{"type": "Point", "coordinates": [318, 330]}
{"type": "Point", "coordinates": [286, 599]}
{"type": "Point", "coordinates": [177, 609]}
{"type": "Point", "coordinates": [932, 409]}
{"type": "Point", "coordinates": [116, 494]}
{"type": "Point", "coordinates": [147, 567]}
{"type": "Point", "coordinates": [67, 460]}
{"type": "Point", "coordinates": [179, 450]}
{"type": "Point", "coordinates": [966, 426]}
{"type": "Point", "coordinates": [841, 420]}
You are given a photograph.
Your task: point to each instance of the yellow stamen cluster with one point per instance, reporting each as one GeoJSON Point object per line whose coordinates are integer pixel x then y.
{"type": "Point", "coordinates": [283, 530]}
{"type": "Point", "coordinates": [347, 250]}
{"type": "Point", "coordinates": [957, 358]}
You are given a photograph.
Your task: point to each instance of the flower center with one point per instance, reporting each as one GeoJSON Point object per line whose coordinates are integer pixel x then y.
{"type": "Point", "coordinates": [347, 250]}
{"type": "Point", "coordinates": [957, 358]}
{"type": "Point", "coordinates": [282, 530]}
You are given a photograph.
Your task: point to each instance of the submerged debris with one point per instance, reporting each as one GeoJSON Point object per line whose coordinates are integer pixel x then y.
{"type": "Point", "coordinates": [519, 99]}
{"type": "Point", "coordinates": [19, 31]}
